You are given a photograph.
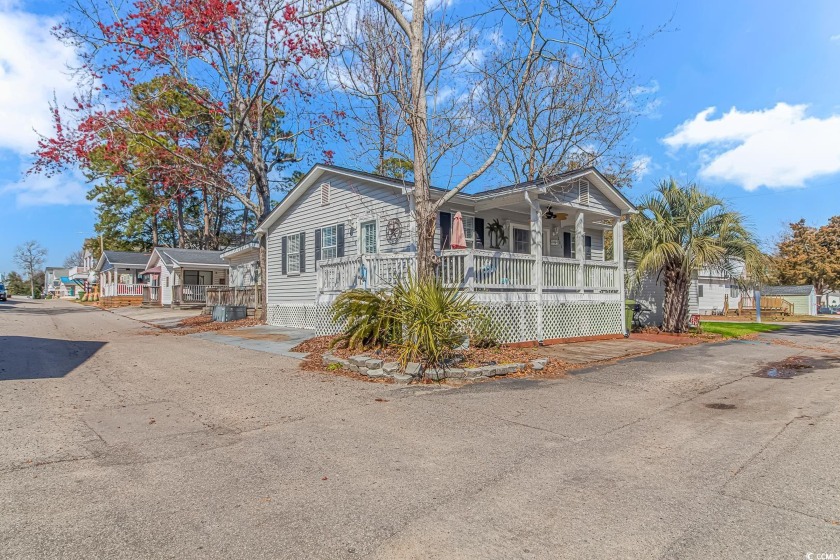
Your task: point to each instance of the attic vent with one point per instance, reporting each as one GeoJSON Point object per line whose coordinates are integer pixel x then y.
{"type": "Point", "coordinates": [583, 192]}
{"type": "Point", "coordinates": [325, 194]}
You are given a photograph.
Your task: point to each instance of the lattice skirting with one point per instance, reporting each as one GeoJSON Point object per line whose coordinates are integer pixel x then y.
{"type": "Point", "coordinates": [517, 321]}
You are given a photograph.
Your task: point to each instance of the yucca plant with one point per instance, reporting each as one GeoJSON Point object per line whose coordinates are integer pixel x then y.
{"type": "Point", "coordinates": [432, 317]}
{"type": "Point", "coordinates": [369, 319]}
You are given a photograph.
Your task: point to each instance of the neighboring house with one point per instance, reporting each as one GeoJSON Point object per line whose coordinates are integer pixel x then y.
{"type": "Point", "coordinates": [831, 299]}
{"type": "Point", "coordinates": [53, 285]}
{"type": "Point", "coordinates": [244, 263]}
{"type": "Point", "coordinates": [802, 298]}
{"type": "Point", "coordinates": [710, 292]}
{"type": "Point", "coordinates": [180, 277]}
{"type": "Point", "coordinates": [120, 277]}
{"type": "Point", "coordinates": [544, 278]}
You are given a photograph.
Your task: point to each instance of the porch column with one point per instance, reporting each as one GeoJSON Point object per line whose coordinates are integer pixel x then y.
{"type": "Point", "coordinates": [618, 257]}
{"type": "Point", "coordinates": [580, 247]}
{"type": "Point", "coordinates": [537, 252]}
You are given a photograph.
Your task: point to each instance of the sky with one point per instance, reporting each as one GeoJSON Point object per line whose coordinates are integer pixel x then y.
{"type": "Point", "coordinates": [743, 101]}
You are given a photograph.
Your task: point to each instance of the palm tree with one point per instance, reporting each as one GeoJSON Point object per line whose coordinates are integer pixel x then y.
{"type": "Point", "coordinates": [681, 229]}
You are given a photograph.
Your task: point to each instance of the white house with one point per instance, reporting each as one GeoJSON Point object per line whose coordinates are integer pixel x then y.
{"type": "Point", "coordinates": [801, 299]}
{"type": "Point", "coordinates": [535, 259]}
{"type": "Point", "coordinates": [181, 277]}
{"type": "Point", "coordinates": [120, 277]}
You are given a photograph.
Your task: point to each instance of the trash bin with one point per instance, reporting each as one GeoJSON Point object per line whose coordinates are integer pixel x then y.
{"type": "Point", "coordinates": [629, 307]}
{"type": "Point", "coordinates": [225, 313]}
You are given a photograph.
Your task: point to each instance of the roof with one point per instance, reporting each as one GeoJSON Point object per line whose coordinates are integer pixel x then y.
{"type": "Point", "coordinates": [181, 257]}
{"type": "Point", "coordinates": [787, 290]}
{"type": "Point", "coordinates": [241, 249]}
{"type": "Point", "coordinates": [319, 169]}
{"type": "Point", "coordinates": [126, 259]}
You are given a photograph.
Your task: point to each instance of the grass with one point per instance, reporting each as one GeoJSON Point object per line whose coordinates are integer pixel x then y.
{"type": "Point", "coordinates": [737, 330]}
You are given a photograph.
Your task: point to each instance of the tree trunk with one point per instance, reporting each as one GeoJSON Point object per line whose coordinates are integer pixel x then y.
{"type": "Point", "coordinates": [206, 241]}
{"type": "Point", "coordinates": [675, 313]}
{"type": "Point", "coordinates": [424, 207]}
{"type": "Point", "coordinates": [31, 284]}
{"type": "Point", "coordinates": [179, 221]}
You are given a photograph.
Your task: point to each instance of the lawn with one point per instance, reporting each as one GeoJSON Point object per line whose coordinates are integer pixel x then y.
{"type": "Point", "coordinates": [737, 330]}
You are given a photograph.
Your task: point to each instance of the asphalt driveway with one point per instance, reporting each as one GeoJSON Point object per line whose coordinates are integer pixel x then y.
{"type": "Point", "coordinates": [119, 441]}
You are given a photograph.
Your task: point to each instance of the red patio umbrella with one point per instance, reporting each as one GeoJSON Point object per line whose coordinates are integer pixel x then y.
{"type": "Point", "coordinates": [459, 238]}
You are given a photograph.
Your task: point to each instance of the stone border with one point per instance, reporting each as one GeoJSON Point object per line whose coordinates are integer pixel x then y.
{"type": "Point", "coordinates": [375, 368]}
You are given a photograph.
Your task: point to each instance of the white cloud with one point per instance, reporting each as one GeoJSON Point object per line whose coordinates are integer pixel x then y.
{"type": "Point", "coordinates": [834, 37]}
{"type": "Point", "coordinates": [649, 89]}
{"type": "Point", "coordinates": [776, 148]}
{"type": "Point", "coordinates": [641, 167]}
{"type": "Point", "coordinates": [32, 68]}
{"type": "Point", "coordinates": [38, 190]}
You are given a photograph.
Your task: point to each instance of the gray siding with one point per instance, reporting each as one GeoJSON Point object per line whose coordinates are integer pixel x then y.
{"type": "Point", "coordinates": [351, 202]}
{"type": "Point", "coordinates": [563, 194]}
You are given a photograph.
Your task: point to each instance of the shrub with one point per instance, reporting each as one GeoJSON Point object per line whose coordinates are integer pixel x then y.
{"type": "Point", "coordinates": [369, 318]}
{"type": "Point", "coordinates": [431, 316]}
{"type": "Point", "coordinates": [483, 331]}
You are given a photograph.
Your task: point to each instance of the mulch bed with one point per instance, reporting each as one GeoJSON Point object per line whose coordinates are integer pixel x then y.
{"type": "Point", "coordinates": [472, 357]}
{"type": "Point", "coordinates": [205, 323]}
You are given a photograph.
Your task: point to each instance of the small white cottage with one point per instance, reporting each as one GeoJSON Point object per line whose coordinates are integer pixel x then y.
{"type": "Point", "coordinates": [534, 260]}
{"type": "Point", "coordinates": [181, 277]}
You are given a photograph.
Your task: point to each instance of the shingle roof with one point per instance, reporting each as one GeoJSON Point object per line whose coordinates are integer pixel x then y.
{"type": "Point", "coordinates": [191, 256]}
{"type": "Point", "coordinates": [127, 258]}
{"type": "Point", "coordinates": [787, 290]}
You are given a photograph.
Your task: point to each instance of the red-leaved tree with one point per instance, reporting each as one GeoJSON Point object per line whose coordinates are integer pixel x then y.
{"type": "Point", "coordinates": [243, 64]}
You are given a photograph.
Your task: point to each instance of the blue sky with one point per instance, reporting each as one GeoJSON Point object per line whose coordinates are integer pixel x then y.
{"type": "Point", "coordinates": [769, 69]}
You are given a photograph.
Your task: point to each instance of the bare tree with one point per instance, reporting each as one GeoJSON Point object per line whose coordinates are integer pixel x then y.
{"type": "Point", "coordinates": [574, 114]}
{"type": "Point", "coordinates": [30, 257]}
{"type": "Point", "coordinates": [76, 258]}
{"type": "Point", "coordinates": [447, 66]}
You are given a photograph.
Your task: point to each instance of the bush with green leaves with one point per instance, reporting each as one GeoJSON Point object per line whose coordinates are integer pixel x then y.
{"type": "Point", "coordinates": [432, 316]}
{"type": "Point", "coordinates": [483, 331]}
{"type": "Point", "coordinates": [369, 319]}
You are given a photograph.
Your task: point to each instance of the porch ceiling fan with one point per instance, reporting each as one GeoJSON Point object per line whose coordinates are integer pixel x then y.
{"type": "Point", "coordinates": [549, 215]}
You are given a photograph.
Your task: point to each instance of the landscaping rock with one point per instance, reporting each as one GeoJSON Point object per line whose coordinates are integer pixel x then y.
{"type": "Point", "coordinates": [352, 367]}
{"type": "Point", "coordinates": [391, 367]}
{"type": "Point", "coordinates": [474, 372]}
{"type": "Point", "coordinates": [373, 363]}
{"type": "Point", "coordinates": [376, 373]}
{"type": "Point", "coordinates": [413, 369]}
{"type": "Point", "coordinates": [455, 373]}
{"type": "Point", "coordinates": [360, 360]}
{"type": "Point", "coordinates": [363, 370]}
{"type": "Point", "coordinates": [402, 379]}
{"type": "Point", "coordinates": [435, 374]}
{"type": "Point", "coordinates": [539, 364]}
{"type": "Point", "coordinates": [490, 371]}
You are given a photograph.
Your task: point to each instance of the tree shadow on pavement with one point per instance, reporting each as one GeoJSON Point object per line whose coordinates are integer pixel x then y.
{"type": "Point", "coordinates": [26, 357]}
{"type": "Point", "coordinates": [39, 307]}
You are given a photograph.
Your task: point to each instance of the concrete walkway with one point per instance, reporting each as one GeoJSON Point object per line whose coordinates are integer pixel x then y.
{"type": "Point", "coordinates": [582, 353]}
{"type": "Point", "coordinates": [158, 316]}
{"type": "Point", "coordinates": [263, 338]}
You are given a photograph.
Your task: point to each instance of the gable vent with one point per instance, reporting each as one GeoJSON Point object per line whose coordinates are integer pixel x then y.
{"type": "Point", "coordinates": [325, 194]}
{"type": "Point", "coordinates": [583, 192]}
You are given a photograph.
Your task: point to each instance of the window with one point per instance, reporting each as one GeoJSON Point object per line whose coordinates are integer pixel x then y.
{"type": "Point", "coordinates": [368, 237]}
{"type": "Point", "coordinates": [469, 230]}
{"type": "Point", "coordinates": [734, 291]}
{"type": "Point", "coordinates": [699, 290]}
{"type": "Point", "coordinates": [521, 241]}
{"type": "Point", "coordinates": [325, 194]}
{"type": "Point", "coordinates": [293, 254]}
{"type": "Point", "coordinates": [198, 277]}
{"type": "Point", "coordinates": [588, 247]}
{"type": "Point", "coordinates": [329, 242]}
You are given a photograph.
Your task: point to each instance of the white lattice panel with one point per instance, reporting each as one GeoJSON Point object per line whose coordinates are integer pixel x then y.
{"type": "Point", "coordinates": [325, 323]}
{"type": "Point", "coordinates": [582, 318]}
{"type": "Point", "coordinates": [517, 321]}
{"type": "Point", "coordinates": [294, 316]}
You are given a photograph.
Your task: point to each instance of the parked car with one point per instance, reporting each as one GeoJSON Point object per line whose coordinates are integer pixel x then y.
{"type": "Point", "coordinates": [824, 310]}
{"type": "Point", "coordinates": [3, 294]}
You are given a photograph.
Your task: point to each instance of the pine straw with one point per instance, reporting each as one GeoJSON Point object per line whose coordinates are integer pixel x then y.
{"type": "Point", "coordinates": [205, 323]}
{"type": "Point", "coordinates": [472, 357]}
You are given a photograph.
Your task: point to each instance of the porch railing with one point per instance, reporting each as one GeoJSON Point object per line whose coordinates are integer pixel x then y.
{"type": "Point", "coordinates": [470, 269]}
{"type": "Point", "coordinates": [151, 294]}
{"type": "Point", "coordinates": [247, 296]}
{"type": "Point", "coordinates": [113, 290]}
{"type": "Point", "coordinates": [189, 293]}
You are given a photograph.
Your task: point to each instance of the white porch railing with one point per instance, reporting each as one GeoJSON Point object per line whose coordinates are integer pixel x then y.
{"type": "Point", "coordinates": [113, 290]}
{"type": "Point", "coordinates": [471, 270]}
{"type": "Point", "coordinates": [190, 293]}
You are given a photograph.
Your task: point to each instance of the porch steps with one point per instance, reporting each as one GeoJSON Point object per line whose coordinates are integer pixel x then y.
{"type": "Point", "coordinates": [109, 302]}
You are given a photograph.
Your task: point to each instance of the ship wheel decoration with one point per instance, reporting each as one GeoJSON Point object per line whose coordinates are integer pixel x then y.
{"type": "Point", "coordinates": [393, 231]}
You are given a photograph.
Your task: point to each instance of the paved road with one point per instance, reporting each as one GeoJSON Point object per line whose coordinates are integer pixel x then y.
{"type": "Point", "coordinates": [120, 442]}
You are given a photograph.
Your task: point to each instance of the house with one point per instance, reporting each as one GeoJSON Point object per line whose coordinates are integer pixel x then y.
{"type": "Point", "coordinates": [180, 277]}
{"type": "Point", "coordinates": [52, 281]}
{"type": "Point", "coordinates": [535, 260]}
{"type": "Point", "coordinates": [829, 299]}
{"type": "Point", "coordinates": [710, 292]}
{"type": "Point", "coordinates": [120, 277]}
{"type": "Point", "coordinates": [801, 299]}
{"type": "Point", "coordinates": [244, 281]}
